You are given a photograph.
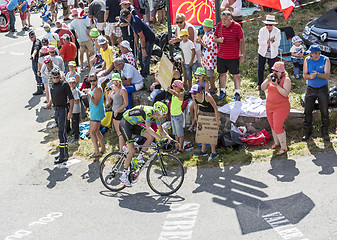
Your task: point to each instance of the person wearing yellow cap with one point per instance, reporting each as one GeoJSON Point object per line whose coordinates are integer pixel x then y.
{"type": "Point", "coordinates": [188, 53]}
{"type": "Point", "coordinates": [73, 73]}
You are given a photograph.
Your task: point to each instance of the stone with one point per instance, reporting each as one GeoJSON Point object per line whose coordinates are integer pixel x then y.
{"type": "Point", "coordinates": [141, 97]}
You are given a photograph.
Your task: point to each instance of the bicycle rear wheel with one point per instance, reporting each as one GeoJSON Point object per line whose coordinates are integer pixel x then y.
{"type": "Point", "coordinates": [111, 169]}
{"type": "Point", "coordinates": [165, 174]}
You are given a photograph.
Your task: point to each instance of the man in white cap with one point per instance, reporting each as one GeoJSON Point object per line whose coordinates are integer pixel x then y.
{"type": "Point", "coordinates": [127, 53]}
{"type": "Point", "coordinates": [269, 42]}
{"type": "Point", "coordinates": [107, 55]}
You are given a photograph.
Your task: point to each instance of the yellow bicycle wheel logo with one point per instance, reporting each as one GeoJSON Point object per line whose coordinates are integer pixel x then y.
{"type": "Point", "coordinates": [204, 9]}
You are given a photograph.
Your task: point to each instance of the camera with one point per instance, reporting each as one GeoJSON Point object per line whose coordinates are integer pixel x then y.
{"type": "Point", "coordinates": [274, 77]}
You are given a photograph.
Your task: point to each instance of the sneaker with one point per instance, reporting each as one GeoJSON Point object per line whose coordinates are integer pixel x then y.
{"type": "Point", "coordinates": [212, 156]}
{"type": "Point", "coordinates": [258, 88]}
{"type": "Point", "coordinates": [222, 95]}
{"type": "Point", "coordinates": [124, 179]}
{"type": "Point", "coordinates": [200, 154]}
{"type": "Point", "coordinates": [53, 125]}
{"type": "Point", "coordinates": [236, 97]}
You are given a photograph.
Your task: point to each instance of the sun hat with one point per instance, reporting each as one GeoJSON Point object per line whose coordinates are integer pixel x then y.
{"type": "Point", "coordinates": [270, 19]}
{"type": "Point", "coordinates": [72, 80]}
{"type": "Point", "coordinates": [49, 2]}
{"type": "Point", "coordinates": [72, 64]}
{"type": "Point", "coordinates": [126, 44]}
{"type": "Point", "coordinates": [94, 32]}
{"type": "Point", "coordinates": [208, 23]}
{"type": "Point", "coordinates": [46, 27]}
{"type": "Point", "coordinates": [101, 40]}
{"type": "Point", "coordinates": [125, 2]}
{"type": "Point", "coordinates": [296, 39]}
{"type": "Point", "coordinates": [47, 59]}
{"type": "Point", "coordinates": [65, 36]}
{"type": "Point", "coordinates": [44, 50]}
{"type": "Point", "coordinates": [200, 71]}
{"type": "Point", "coordinates": [116, 77]}
{"type": "Point", "coordinates": [183, 32]}
{"type": "Point", "coordinates": [279, 66]}
{"type": "Point", "coordinates": [313, 48]}
{"type": "Point", "coordinates": [178, 83]}
{"type": "Point", "coordinates": [124, 13]}
{"type": "Point", "coordinates": [52, 48]}
{"type": "Point", "coordinates": [160, 107]}
{"type": "Point", "coordinates": [195, 89]}
{"type": "Point", "coordinates": [74, 12]}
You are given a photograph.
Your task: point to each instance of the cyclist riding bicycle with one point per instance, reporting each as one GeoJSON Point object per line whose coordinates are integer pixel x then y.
{"type": "Point", "coordinates": [133, 123]}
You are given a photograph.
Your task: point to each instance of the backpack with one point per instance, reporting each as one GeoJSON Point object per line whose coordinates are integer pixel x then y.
{"type": "Point", "coordinates": [256, 139]}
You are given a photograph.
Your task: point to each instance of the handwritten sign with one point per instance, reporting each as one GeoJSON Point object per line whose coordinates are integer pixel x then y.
{"type": "Point", "coordinates": [165, 72]}
{"type": "Point", "coordinates": [207, 130]}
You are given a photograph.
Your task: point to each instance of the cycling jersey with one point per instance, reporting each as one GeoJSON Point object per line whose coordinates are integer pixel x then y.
{"type": "Point", "coordinates": [140, 114]}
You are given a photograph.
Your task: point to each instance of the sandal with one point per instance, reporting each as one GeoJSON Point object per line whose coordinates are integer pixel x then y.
{"type": "Point", "coordinates": [281, 151]}
{"type": "Point", "coordinates": [102, 152]}
{"type": "Point", "coordinates": [95, 155]}
{"type": "Point", "coordinates": [274, 146]}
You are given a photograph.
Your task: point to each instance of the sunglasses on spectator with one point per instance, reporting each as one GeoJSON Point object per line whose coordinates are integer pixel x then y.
{"type": "Point", "coordinates": [274, 70]}
{"type": "Point", "coordinates": [268, 25]}
{"type": "Point", "coordinates": [93, 80]}
{"type": "Point", "coordinates": [179, 22]}
{"type": "Point", "coordinates": [51, 51]}
{"type": "Point", "coordinates": [56, 77]}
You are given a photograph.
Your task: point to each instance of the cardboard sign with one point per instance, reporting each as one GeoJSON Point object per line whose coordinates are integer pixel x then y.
{"type": "Point", "coordinates": [207, 130]}
{"type": "Point", "coordinates": [165, 72]}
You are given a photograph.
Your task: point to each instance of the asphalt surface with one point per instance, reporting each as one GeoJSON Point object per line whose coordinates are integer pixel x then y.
{"type": "Point", "coordinates": [281, 199]}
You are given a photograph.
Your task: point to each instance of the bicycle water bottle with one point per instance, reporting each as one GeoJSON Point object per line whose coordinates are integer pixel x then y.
{"type": "Point", "coordinates": [135, 164]}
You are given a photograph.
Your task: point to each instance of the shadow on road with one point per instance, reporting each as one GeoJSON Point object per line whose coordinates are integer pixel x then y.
{"type": "Point", "coordinates": [57, 175]}
{"type": "Point", "coordinates": [43, 115]}
{"type": "Point", "coordinates": [93, 172]}
{"type": "Point", "coordinates": [283, 169]}
{"type": "Point", "coordinates": [321, 160]}
{"type": "Point", "coordinates": [143, 202]}
{"type": "Point", "coordinates": [11, 35]}
{"type": "Point", "coordinates": [33, 102]}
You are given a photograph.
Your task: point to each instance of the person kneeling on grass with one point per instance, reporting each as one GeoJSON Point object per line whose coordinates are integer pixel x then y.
{"type": "Point", "coordinates": [133, 123]}
{"type": "Point", "coordinates": [205, 105]}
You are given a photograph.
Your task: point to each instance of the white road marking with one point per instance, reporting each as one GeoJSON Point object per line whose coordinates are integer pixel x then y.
{"type": "Point", "coordinates": [68, 163]}
{"type": "Point", "coordinates": [18, 43]}
{"type": "Point", "coordinates": [16, 53]}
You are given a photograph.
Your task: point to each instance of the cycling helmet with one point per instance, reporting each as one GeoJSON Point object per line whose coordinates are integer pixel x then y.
{"type": "Point", "coordinates": [161, 108]}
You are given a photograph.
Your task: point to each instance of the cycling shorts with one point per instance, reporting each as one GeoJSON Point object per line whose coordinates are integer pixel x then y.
{"type": "Point", "coordinates": [128, 129]}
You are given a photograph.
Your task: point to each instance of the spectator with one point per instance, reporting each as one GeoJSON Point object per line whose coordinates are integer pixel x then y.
{"type": "Point", "coordinates": [231, 52]}
{"type": "Point", "coordinates": [127, 54]}
{"type": "Point", "coordinates": [146, 37]}
{"type": "Point", "coordinates": [65, 10]}
{"type": "Point", "coordinates": [177, 116]}
{"type": "Point", "coordinates": [45, 42]}
{"type": "Point", "coordinates": [97, 10]}
{"type": "Point", "coordinates": [234, 6]}
{"type": "Point", "coordinates": [204, 103]}
{"type": "Point", "coordinates": [107, 54]}
{"type": "Point", "coordinates": [63, 29]}
{"type": "Point", "coordinates": [269, 41]}
{"type": "Point", "coordinates": [125, 27]}
{"type": "Point", "coordinates": [60, 94]}
{"type": "Point", "coordinates": [117, 95]}
{"type": "Point", "coordinates": [70, 4]}
{"type": "Point", "coordinates": [188, 55]}
{"type": "Point", "coordinates": [53, 38]}
{"type": "Point", "coordinates": [277, 104]}
{"type": "Point", "coordinates": [54, 10]}
{"type": "Point", "coordinates": [159, 8]}
{"type": "Point", "coordinates": [297, 52]}
{"type": "Point", "coordinates": [96, 58]}
{"type": "Point", "coordinates": [112, 28]}
{"type": "Point", "coordinates": [75, 121]}
{"type": "Point", "coordinates": [97, 113]}
{"type": "Point", "coordinates": [81, 27]}
{"type": "Point", "coordinates": [131, 78]}
{"type": "Point", "coordinates": [316, 70]}
{"type": "Point", "coordinates": [57, 60]}
{"type": "Point", "coordinates": [209, 52]}
{"type": "Point", "coordinates": [29, 4]}
{"type": "Point", "coordinates": [192, 34]}
{"type": "Point", "coordinates": [23, 14]}
{"type": "Point", "coordinates": [68, 51]}
{"type": "Point", "coordinates": [34, 57]}
{"type": "Point", "coordinates": [73, 73]}
{"type": "Point", "coordinates": [11, 12]}
{"type": "Point", "coordinates": [43, 52]}
{"type": "Point", "coordinates": [46, 13]}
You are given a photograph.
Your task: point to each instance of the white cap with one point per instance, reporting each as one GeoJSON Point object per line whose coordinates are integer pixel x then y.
{"type": "Point", "coordinates": [126, 44]}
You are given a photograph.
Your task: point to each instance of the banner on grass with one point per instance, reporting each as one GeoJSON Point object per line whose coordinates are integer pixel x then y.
{"type": "Point", "coordinates": [196, 11]}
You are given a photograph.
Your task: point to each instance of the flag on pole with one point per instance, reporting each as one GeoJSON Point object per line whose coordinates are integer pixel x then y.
{"type": "Point", "coordinates": [286, 6]}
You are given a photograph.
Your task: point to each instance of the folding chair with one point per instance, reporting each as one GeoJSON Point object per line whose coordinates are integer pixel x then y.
{"type": "Point", "coordinates": [287, 34]}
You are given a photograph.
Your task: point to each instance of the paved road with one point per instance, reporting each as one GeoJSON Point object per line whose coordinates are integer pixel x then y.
{"type": "Point", "coordinates": [281, 199]}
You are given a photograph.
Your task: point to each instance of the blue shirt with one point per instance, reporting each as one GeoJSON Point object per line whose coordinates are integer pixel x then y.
{"type": "Point", "coordinates": [80, 26]}
{"type": "Point", "coordinates": [114, 10]}
{"type": "Point", "coordinates": [138, 25]}
{"type": "Point", "coordinates": [24, 7]}
{"type": "Point", "coordinates": [317, 66]}
{"type": "Point", "coordinates": [97, 113]}
{"type": "Point", "coordinates": [11, 5]}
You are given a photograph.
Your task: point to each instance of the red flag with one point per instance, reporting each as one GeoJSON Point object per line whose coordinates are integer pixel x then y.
{"type": "Point", "coordinates": [286, 6]}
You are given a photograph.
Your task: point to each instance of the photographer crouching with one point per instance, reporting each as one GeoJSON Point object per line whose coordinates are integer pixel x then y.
{"type": "Point", "coordinates": [277, 104]}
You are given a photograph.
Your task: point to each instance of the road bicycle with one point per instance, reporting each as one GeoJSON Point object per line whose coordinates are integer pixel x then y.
{"type": "Point", "coordinates": [165, 173]}
{"type": "Point", "coordinates": [188, 6]}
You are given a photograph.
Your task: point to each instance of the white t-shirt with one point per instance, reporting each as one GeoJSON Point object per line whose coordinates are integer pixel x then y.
{"type": "Point", "coordinates": [187, 50]}
{"type": "Point", "coordinates": [130, 72]}
{"type": "Point", "coordinates": [237, 7]}
{"type": "Point", "coordinates": [297, 50]}
{"type": "Point", "coordinates": [187, 26]}
{"type": "Point", "coordinates": [76, 94]}
{"type": "Point", "coordinates": [58, 61]}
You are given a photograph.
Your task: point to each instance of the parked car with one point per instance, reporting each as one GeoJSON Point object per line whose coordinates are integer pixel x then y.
{"type": "Point", "coordinates": [323, 31]}
{"type": "Point", "coordinates": [4, 16]}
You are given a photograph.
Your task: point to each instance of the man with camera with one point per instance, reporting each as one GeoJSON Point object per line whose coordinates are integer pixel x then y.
{"type": "Point", "coordinates": [316, 70]}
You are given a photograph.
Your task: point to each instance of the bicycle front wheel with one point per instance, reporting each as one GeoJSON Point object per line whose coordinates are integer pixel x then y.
{"type": "Point", "coordinates": [111, 170]}
{"type": "Point", "coordinates": [165, 174]}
